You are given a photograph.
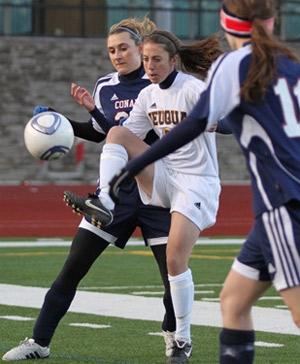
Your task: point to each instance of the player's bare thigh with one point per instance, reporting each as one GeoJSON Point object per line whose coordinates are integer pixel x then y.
{"type": "Point", "coordinates": [134, 147]}
{"type": "Point", "coordinates": [238, 295]}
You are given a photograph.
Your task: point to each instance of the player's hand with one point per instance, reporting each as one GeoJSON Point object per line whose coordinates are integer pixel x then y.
{"type": "Point", "coordinates": [82, 97]}
{"type": "Point", "coordinates": [41, 108]}
{"type": "Point", "coordinates": [116, 182]}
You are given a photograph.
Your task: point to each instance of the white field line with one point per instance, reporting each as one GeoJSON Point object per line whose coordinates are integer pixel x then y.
{"type": "Point", "coordinates": [89, 325]}
{"type": "Point", "coordinates": [257, 343]}
{"type": "Point", "coordinates": [144, 308]}
{"type": "Point", "coordinates": [132, 242]}
{"type": "Point", "coordinates": [16, 318]}
{"type": "Point", "coordinates": [99, 288]}
{"type": "Point", "coordinates": [268, 345]}
{"type": "Point", "coordinates": [153, 293]}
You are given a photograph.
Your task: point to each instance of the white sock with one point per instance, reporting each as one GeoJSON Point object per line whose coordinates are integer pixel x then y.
{"type": "Point", "coordinates": [113, 158]}
{"type": "Point", "coordinates": [182, 292]}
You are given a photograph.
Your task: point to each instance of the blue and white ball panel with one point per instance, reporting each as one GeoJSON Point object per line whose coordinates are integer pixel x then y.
{"type": "Point", "coordinates": [46, 124]}
{"type": "Point", "coordinates": [48, 135]}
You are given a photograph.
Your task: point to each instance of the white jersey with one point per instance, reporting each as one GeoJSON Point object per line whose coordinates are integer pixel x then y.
{"type": "Point", "coordinates": [162, 109]}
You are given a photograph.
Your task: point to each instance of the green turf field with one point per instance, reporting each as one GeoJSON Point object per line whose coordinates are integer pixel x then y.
{"type": "Point", "coordinates": [128, 341]}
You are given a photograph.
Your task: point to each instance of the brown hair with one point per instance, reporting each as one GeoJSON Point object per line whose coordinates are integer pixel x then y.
{"type": "Point", "coordinates": [136, 28]}
{"type": "Point", "coordinates": [265, 47]}
{"type": "Point", "coordinates": [195, 58]}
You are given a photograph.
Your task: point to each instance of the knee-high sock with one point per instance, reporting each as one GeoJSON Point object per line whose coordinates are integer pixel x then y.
{"type": "Point", "coordinates": [113, 158]}
{"type": "Point", "coordinates": [182, 292]}
{"type": "Point", "coordinates": [236, 346]}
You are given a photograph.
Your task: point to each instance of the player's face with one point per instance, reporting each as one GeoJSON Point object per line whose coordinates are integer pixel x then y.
{"type": "Point", "coordinates": [124, 54]}
{"type": "Point", "coordinates": [157, 62]}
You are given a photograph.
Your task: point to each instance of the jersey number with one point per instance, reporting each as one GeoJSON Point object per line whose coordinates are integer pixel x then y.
{"type": "Point", "coordinates": [292, 124]}
{"type": "Point", "coordinates": [121, 116]}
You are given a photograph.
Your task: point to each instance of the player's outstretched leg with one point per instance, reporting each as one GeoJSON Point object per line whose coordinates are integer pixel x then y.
{"type": "Point", "coordinates": [27, 349]}
{"type": "Point", "coordinates": [90, 207]}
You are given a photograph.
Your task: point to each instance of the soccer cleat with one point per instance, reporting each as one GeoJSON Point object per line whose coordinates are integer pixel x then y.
{"type": "Point", "coordinates": [169, 338]}
{"type": "Point", "coordinates": [27, 349]}
{"type": "Point", "coordinates": [90, 207]}
{"type": "Point", "coordinates": [181, 353]}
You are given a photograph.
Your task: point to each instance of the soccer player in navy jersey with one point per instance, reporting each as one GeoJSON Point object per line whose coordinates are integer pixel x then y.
{"type": "Point", "coordinates": [187, 181]}
{"type": "Point", "coordinates": [114, 96]}
{"type": "Point", "coordinates": [256, 87]}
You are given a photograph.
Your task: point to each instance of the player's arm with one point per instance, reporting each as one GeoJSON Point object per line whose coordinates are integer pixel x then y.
{"type": "Point", "coordinates": [84, 98]}
{"type": "Point", "coordinates": [84, 130]}
{"type": "Point", "coordinates": [182, 134]}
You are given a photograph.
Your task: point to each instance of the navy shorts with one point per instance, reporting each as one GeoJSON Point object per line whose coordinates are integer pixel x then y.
{"type": "Point", "coordinates": [130, 213]}
{"type": "Point", "coordinates": [272, 249]}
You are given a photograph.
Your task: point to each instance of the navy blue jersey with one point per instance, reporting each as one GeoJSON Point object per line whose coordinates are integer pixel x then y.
{"type": "Point", "coordinates": [268, 132]}
{"type": "Point", "coordinates": [115, 95]}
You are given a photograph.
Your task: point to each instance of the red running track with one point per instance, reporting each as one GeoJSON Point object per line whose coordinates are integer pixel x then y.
{"type": "Point", "coordinates": [39, 211]}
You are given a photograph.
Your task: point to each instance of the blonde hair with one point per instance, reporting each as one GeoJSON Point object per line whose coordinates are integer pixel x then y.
{"type": "Point", "coordinates": [136, 28]}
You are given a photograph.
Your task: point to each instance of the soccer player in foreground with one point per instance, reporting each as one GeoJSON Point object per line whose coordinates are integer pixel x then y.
{"type": "Point", "coordinates": [257, 87]}
{"type": "Point", "coordinates": [114, 94]}
{"type": "Point", "coordinates": [186, 181]}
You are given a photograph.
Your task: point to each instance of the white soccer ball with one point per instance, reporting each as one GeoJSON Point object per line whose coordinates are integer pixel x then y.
{"type": "Point", "coordinates": [48, 135]}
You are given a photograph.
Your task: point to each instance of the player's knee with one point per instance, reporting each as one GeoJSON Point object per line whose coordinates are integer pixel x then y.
{"type": "Point", "coordinates": [175, 265]}
{"type": "Point", "coordinates": [115, 134]}
{"type": "Point", "coordinates": [225, 301]}
{"type": "Point", "coordinates": [232, 305]}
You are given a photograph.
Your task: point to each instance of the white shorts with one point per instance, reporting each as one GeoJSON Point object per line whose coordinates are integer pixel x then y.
{"type": "Point", "coordinates": [193, 196]}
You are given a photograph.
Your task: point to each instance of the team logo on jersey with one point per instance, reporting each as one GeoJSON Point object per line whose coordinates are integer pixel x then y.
{"type": "Point", "coordinates": [166, 117]}
{"type": "Point", "coordinates": [114, 97]}
{"type": "Point", "coordinates": [198, 205]}
{"type": "Point", "coordinates": [153, 106]}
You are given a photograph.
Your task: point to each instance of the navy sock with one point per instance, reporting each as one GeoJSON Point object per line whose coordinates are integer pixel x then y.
{"type": "Point", "coordinates": [236, 346]}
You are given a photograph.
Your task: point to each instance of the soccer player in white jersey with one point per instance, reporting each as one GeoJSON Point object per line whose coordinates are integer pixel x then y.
{"type": "Point", "coordinates": [186, 181]}
{"type": "Point", "coordinates": [257, 88]}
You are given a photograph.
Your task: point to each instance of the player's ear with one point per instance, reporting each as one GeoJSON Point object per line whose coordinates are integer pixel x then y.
{"type": "Point", "coordinates": [140, 48]}
{"type": "Point", "coordinates": [174, 59]}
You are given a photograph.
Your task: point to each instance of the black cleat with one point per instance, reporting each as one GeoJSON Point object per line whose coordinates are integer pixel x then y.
{"type": "Point", "coordinates": [181, 353]}
{"type": "Point", "coordinates": [90, 207]}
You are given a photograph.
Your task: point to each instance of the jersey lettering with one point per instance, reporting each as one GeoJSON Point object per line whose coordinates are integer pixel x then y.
{"type": "Point", "coordinates": [123, 104]}
{"type": "Point", "coordinates": [166, 117]}
{"type": "Point", "coordinates": [284, 92]}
